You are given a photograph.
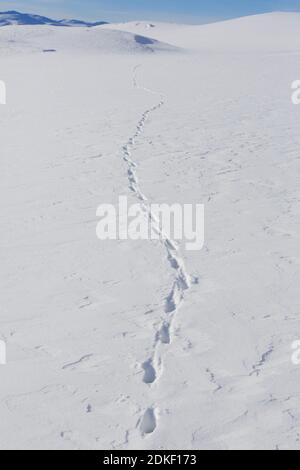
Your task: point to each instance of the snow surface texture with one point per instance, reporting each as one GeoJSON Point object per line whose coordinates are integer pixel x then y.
{"type": "Point", "coordinates": [142, 345]}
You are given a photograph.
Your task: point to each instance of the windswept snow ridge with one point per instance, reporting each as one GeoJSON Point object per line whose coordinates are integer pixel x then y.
{"type": "Point", "coordinates": [153, 366]}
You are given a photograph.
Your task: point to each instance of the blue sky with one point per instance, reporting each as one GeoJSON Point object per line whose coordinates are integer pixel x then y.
{"type": "Point", "coordinates": [192, 11]}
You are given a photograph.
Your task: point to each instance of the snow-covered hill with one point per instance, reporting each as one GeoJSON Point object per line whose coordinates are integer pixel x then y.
{"type": "Point", "coordinates": [35, 39]}
{"type": "Point", "coordinates": [269, 32]}
{"type": "Point", "coordinates": [16, 18]}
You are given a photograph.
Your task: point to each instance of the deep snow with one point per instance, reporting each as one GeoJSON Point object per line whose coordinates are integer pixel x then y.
{"type": "Point", "coordinates": [94, 361]}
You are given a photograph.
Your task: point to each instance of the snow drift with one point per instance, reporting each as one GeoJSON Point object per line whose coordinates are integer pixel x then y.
{"type": "Point", "coordinates": [268, 32]}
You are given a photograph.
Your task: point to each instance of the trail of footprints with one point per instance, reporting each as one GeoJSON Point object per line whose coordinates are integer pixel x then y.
{"type": "Point", "coordinates": [152, 367]}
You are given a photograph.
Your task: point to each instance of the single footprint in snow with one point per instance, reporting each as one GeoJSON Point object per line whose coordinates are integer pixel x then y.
{"type": "Point", "coordinates": [174, 299]}
{"type": "Point", "coordinates": [148, 423]}
{"type": "Point", "coordinates": [150, 373]}
{"type": "Point", "coordinates": [164, 334]}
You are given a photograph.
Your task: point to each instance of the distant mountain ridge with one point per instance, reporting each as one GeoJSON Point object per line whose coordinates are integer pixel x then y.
{"type": "Point", "coordinates": [8, 18]}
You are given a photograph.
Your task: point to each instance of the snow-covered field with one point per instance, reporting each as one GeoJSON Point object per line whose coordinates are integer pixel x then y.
{"type": "Point", "coordinates": [91, 360]}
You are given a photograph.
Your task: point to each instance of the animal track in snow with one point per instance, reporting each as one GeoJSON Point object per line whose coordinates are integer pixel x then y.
{"type": "Point", "coordinates": [149, 421]}
{"type": "Point", "coordinates": [182, 281]}
{"type": "Point", "coordinates": [164, 334]}
{"type": "Point", "coordinates": [149, 372]}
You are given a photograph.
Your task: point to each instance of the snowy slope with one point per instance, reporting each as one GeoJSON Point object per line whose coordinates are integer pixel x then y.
{"type": "Point", "coordinates": [98, 357]}
{"type": "Point", "coordinates": [29, 39]}
{"type": "Point", "coordinates": [14, 17]}
{"type": "Point", "coordinates": [271, 32]}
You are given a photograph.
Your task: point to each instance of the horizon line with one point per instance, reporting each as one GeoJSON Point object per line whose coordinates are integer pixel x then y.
{"type": "Point", "coordinates": [143, 19]}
